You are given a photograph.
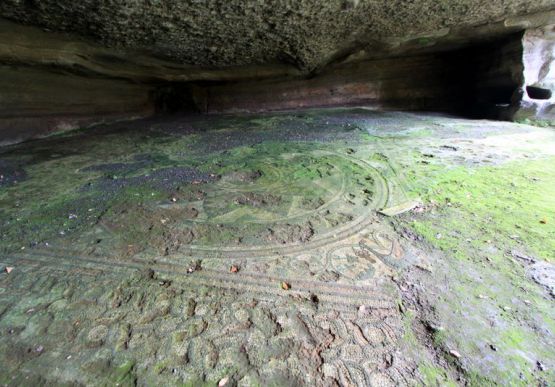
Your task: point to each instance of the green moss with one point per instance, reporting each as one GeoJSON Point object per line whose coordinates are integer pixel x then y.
{"type": "Point", "coordinates": [423, 41]}
{"type": "Point", "coordinates": [474, 379]}
{"type": "Point", "coordinates": [198, 383]}
{"type": "Point", "coordinates": [408, 334]}
{"type": "Point", "coordinates": [478, 216]}
{"type": "Point", "coordinates": [537, 122]}
{"type": "Point", "coordinates": [513, 338]}
{"type": "Point", "coordinates": [435, 376]}
{"type": "Point", "coordinates": [162, 366]}
{"type": "Point", "coordinates": [123, 375]}
{"type": "Point", "coordinates": [492, 205]}
{"type": "Point", "coordinates": [439, 338]}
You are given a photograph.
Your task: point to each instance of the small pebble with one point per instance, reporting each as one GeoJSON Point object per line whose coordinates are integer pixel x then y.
{"type": "Point", "coordinates": [455, 353]}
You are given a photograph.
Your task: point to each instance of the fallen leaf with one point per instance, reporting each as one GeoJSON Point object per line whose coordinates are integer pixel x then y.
{"type": "Point", "coordinates": [8, 269]}
{"type": "Point", "coordinates": [285, 285]}
{"type": "Point", "coordinates": [234, 269]}
{"type": "Point", "coordinates": [223, 382]}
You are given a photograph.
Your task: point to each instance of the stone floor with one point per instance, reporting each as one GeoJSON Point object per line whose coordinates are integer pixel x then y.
{"type": "Point", "coordinates": [319, 247]}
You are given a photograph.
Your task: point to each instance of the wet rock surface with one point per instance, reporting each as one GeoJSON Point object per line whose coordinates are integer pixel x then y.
{"type": "Point", "coordinates": [10, 173]}
{"type": "Point", "coordinates": [544, 274]}
{"type": "Point", "coordinates": [160, 252]}
{"type": "Point", "coordinates": [166, 178]}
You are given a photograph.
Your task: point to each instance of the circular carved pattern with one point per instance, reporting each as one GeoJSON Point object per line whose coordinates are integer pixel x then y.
{"type": "Point", "coordinates": [300, 200]}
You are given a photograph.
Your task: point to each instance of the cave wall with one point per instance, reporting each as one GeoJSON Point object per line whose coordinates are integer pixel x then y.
{"type": "Point", "coordinates": [35, 102]}
{"type": "Point", "coordinates": [405, 83]}
{"type": "Point", "coordinates": [486, 80]}
{"type": "Point", "coordinates": [476, 81]}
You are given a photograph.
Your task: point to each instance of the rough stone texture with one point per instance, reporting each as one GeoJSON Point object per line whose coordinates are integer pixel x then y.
{"type": "Point", "coordinates": [413, 83]}
{"type": "Point", "coordinates": [539, 72]}
{"type": "Point", "coordinates": [473, 81]}
{"type": "Point", "coordinates": [35, 103]}
{"type": "Point", "coordinates": [308, 34]}
{"type": "Point", "coordinates": [121, 253]}
{"type": "Point", "coordinates": [88, 62]}
{"type": "Point", "coordinates": [26, 45]}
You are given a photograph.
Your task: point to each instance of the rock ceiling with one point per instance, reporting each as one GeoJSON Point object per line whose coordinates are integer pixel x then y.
{"type": "Point", "coordinates": [230, 39]}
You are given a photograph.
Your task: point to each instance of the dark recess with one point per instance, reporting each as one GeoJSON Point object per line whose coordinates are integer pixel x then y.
{"type": "Point", "coordinates": [485, 79]}
{"type": "Point", "coordinates": [479, 81]}
{"type": "Point", "coordinates": [175, 97]}
{"type": "Point", "coordinates": [535, 92]}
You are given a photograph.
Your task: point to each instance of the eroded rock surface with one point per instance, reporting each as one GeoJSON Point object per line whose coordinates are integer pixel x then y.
{"type": "Point", "coordinates": [306, 34]}
{"type": "Point", "coordinates": [77, 64]}
{"type": "Point", "coordinates": [250, 247]}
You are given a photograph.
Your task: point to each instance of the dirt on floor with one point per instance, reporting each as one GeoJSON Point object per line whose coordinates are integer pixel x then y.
{"type": "Point", "coordinates": [254, 250]}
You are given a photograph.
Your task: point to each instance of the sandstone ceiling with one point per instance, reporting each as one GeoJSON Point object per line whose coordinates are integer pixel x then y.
{"type": "Point", "coordinates": [231, 39]}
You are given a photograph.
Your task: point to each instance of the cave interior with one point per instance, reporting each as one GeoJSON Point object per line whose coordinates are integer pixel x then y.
{"type": "Point", "coordinates": [227, 193]}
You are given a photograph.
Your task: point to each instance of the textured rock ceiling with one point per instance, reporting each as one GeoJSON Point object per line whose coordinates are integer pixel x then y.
{"type": "Point", "coordinates": [304, 35]}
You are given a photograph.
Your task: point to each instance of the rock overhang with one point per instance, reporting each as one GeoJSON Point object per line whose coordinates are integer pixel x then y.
{"type": "Point", "coordinates": [273, 38]}
{"type": "Point", "coordinates": [67, 65]}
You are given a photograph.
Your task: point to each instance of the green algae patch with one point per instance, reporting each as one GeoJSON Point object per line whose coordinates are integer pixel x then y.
{"type": "Point", "coordinates": [123, 374]}
{"type": "Point", "coordinates": [430, 374]}
{"type": "Point", "coordinates": [480, 217]}
{"type": "Point", "coordinates": [508, 205]}
{"type": "Point", "coordinates": [435, 376]}
{"type": "Point", "coordinates": [145, 225]}
{"type": "Point", "coordinates": [537, 122]}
